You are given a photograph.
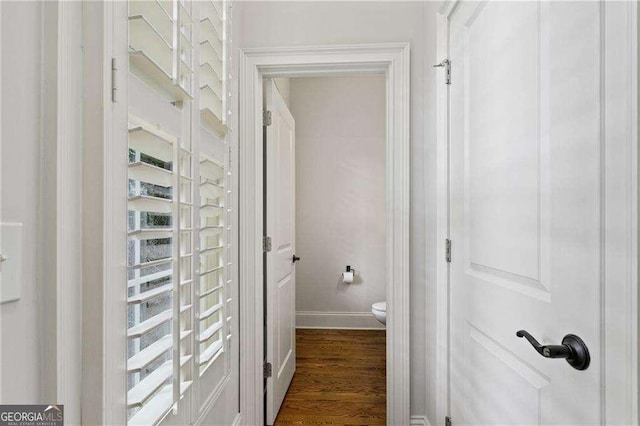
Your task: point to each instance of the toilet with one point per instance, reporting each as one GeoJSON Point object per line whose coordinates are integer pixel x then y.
{"type": "Point", "coordinates": [379, 311]}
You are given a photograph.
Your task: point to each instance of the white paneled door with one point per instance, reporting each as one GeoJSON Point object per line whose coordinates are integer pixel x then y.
{"type": "Point", "coordinates": [529, 211]}
{"type": "Point", "coordinates": [280, 265]}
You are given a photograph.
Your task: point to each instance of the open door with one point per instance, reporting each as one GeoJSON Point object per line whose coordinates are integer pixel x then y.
{"type": "Point", "coordinates": [280, 258]}
{"type": "Point", "coordinates": [536, 216]}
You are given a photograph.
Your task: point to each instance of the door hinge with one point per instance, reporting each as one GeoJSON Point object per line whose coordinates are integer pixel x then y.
{"type": "Point", "coordinates": [114, 83]}
{"type": "Point", "coordinates": [267, 370]}
{"type": "Point", "coordinates": [447, 421]}
{"type": "Point", "coordinates": [446, 64]}
{"type": "Point", "coordinates": [266, 244]}
{"type": "Point", "coordinates": [447, 250]}
{"type": "Point", "coordinates": [266, 118]}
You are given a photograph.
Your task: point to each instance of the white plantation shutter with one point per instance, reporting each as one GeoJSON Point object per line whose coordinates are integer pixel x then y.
{"type": "Point", "coordinates": [186, 270]}
{"type": "Point", "coordinates": [160, 272]}
{"type": "Point", "coordinates": [152, 265]}
{"type": "Point", "coordinates": [228, 264]}
{"type": "Point", "coordinates": [160, 285]}
{"type": "Point", "coordinates": [212, 272]}
{"type": "Point", "coordinates": [216, 290]}
{"type": "Point", "coordinates": [179, 321]}
{"type": "Point", "coordinates": [214, 27]}
{"type": "Point", "coordinates": [160, 46]}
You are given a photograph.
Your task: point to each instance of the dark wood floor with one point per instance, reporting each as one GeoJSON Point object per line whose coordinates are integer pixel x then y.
{"type": "Point", "coordinates": [340, 379]}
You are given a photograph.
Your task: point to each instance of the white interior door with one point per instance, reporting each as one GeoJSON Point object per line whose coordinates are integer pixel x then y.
{"type": "Point", "coordinates": [280, 226]}
{"type": "Point", "coordinates": [527, 203]}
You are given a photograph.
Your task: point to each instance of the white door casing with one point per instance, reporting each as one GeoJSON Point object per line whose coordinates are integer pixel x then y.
{"type": "Point", "coordinates": [392, 59]}
{"type": "Point", "coordinates": [280, 227]}
{"type": "Point", "coordinates": [542, 161]}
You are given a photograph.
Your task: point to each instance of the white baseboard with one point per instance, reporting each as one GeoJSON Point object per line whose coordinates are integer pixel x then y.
{"type": "Point", "coordinates": [420, 421]}
{"type": "Point", "coordinates": [337, 320]}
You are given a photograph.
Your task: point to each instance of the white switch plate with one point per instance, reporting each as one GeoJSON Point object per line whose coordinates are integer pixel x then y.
{"type": "Point", "coordinates": [11, 266]}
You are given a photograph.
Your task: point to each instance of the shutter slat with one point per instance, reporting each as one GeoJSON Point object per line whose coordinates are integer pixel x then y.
{"type": "Point", "coordinates": [208, 32]}
{"type": "Point", "coordinates": [211, 72]}
{"type": "Point", "coordinates": [210, 291]}
{"type": "Point", "coordinates": [140, 393]}
{"type": "Point", "coordinates": [213, 121]}
{"type": "Point", "coordinates": [217, 4]}
{"type": "Point", "coordinates": [211, 230]}
{"type": "Point", "coordinates": [155, 13]}
{"type": "Point", "coordinates": [210, 332]}
{"type": "Point", "coordinates": [144, 37]}
{"type": "Point", "coordinates": [212, 169]}
{"type": "Point", "coordinates": [150, 324]}
{"type": "Point", "coordinates": [185, 68]}
{"type": "Point", "coordinates": [151, 412]}
{"type": "Point", "coordinates": [211, 250]}
{"type": "Point", "coordinates": [152, 352]}
{"type": "Point", "coordinates": [145, 172]}
{"type": "Point", "coordinates": [147, 70]}
{"type": "Point", "coordinates": [149, 354]}
{"type": "Point", "coordinates": [151, 233]}
{"type": "Point", "coordinates": [212, 270]}
{"type": "Point", "coordinates": [210, 352]}
{"type": "Point", "coordinates": [150, 143]}
{"type": "Point", "coordinates": [211, 190]}
{"type": "Point", "coordinates": [184, 13]}
{"type": "Point", "coordinates": [209, 312]}
{"type": "Point", "coordinates": [147, 203]}
{"type": "Point", "coordinates": [185, 43]}
{"type": "Point", "coordinates": [154, 409]}
{"type": "Point", "coordinates": [147, 386]}
{"type": "Point", "coordinates": [150, 277]}
{"type": "Point", "coordinates": [156, 262]}
{"type": "Point", "coordinates": [215, 209]}
{"type": "Point", "coordinates": [211, 100]}
{"type": "Point", "coordinates": [150, 294]}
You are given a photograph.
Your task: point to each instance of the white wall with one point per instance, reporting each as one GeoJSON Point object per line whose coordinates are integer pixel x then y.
{"type": "Point", "coordinates": [21, 161]}
{"type": "Point", "coordinates": [268, 24]}
{"type": "Point", "coordinates": [340, 198]}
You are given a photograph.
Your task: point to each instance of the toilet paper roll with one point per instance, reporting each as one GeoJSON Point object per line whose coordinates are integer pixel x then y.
{"type": "Point", "coordinates": [347, 277]}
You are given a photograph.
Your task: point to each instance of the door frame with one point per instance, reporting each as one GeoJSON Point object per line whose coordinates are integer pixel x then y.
{"type": "Point", "coordinates": [619, 214]}
{"type": "Point", "coordinates": [392, 60]}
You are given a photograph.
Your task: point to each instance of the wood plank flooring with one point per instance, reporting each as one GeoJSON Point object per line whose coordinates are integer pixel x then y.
{"type": "Point", "coordinates": [340, 379]}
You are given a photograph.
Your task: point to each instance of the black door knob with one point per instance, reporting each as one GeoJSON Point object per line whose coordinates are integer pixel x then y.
{"type": "Point", "coordinates": [573, 349]}
{"type": "Point", "coordinates": [295, 258]}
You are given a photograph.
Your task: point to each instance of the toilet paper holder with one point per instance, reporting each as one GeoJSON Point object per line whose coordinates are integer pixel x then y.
{"type": "Point", "coordinates": [348, 276]}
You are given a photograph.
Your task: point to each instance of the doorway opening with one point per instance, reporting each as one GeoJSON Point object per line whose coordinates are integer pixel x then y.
{"type": "Point", "coordinates": [325, 280]}
{"type": "Point", "coordinates": [391, 61]}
